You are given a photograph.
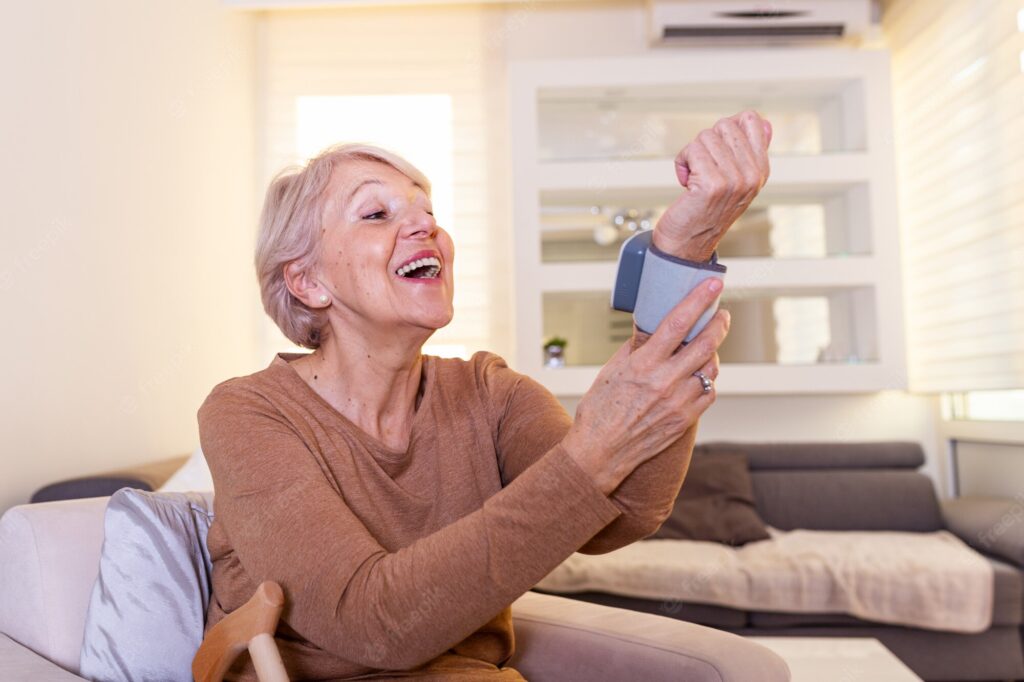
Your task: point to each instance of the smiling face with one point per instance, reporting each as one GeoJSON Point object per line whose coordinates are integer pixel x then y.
{"type": "Point", "coordinates": [383, 261]}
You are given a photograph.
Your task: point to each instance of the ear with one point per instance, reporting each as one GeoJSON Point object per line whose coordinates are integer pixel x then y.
{"type": "Point", "coordinates": [303, 285]}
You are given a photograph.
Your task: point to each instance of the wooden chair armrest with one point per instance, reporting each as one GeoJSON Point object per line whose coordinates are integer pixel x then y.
{"type": "Point", "coordinates": [251, 627]}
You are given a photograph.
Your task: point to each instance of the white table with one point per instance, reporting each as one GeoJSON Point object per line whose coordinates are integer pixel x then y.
{"type": "Point", "coordinates": [838, 659]}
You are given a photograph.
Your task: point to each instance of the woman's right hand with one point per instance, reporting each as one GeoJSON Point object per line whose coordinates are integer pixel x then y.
{"type": "Point", "coordinates": [644, 399]}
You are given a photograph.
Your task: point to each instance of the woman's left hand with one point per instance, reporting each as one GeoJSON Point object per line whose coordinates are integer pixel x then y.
{"type": "Point", "coordinates": [722, 170]}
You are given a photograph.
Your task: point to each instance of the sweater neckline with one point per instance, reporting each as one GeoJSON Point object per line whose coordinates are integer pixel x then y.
{"type": "Point", "coordinates": [283, 361]}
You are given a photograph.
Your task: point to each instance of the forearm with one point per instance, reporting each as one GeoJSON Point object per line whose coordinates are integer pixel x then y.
{"type": "Point", "coordinates": [646, 496]}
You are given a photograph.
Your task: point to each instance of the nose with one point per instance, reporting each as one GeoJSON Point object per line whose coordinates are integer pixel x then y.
{"type": "Point", "coordinates": [418, 224]}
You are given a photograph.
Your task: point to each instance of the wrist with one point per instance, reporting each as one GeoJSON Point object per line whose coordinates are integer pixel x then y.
{"type": "Point", "coordinates": [590, 461]}
{"type": "Point", "coordinates": [687, 249]}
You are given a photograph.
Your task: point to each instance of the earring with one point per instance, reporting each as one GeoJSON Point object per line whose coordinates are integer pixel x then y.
{"type": "Point", "coordinates": [323, 298]}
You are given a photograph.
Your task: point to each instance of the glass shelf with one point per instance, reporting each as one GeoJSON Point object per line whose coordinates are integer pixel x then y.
{"type": "Point", "coordinates": [595, 233]}
{"type": "Point", "coordinates": [588, 123]}
{"type": "Point", "coordinates": [781, 327]}
{"type": "Point", "coordinates": [809, 226]}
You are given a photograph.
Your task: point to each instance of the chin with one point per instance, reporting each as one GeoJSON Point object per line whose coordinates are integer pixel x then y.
{"type": "Point", "coordinates": [431, 320]}
{"type": "Point", "coordinates": [441, 321]}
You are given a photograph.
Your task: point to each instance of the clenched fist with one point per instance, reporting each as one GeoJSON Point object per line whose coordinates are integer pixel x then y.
{"type": "Point", "coordinates": [722, 170]}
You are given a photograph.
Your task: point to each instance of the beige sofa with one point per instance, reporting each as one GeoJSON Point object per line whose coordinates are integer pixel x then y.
{"type": "Point", "coordinates": [49, 556]}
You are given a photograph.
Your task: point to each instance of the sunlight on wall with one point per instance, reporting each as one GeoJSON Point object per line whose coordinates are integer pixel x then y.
{"type": "Point", "coordinates": [384, 120]}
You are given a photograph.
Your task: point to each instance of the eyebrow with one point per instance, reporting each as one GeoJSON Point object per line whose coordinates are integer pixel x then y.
{"type": "Point", "coordinates": [371, 181]}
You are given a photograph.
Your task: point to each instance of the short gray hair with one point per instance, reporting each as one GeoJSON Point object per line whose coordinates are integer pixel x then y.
{"type": "Point", "coordinates": [290, 228]}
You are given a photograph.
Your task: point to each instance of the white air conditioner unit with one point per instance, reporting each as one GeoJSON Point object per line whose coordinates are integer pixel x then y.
{"type": "Point", "coordinates": [691, 21]}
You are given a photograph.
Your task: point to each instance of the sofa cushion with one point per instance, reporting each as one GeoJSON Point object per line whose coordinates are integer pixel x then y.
{"type": "Point", "coordinates": [20, 663]}
{"type": "Point", "coordinates": [823, 455]}
{"type": "Point", "coordinates": [848, 499]}
{"type": "Point", "coordinates": [568, 640]}
{"type": "Point", "coordinates": [715, 504]}
{"type": "Point", "coordinates": [1007, 606]}
{"type": "Point", "coordinates": [148, 608]}
{"type": "Point", "coordinates": [702, 614]}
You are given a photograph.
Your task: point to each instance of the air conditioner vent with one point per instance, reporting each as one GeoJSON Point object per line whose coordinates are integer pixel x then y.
{"type": "Point", "coordinates": [796, 31]}
{"type": "Point", "coordinates": [764, 14]}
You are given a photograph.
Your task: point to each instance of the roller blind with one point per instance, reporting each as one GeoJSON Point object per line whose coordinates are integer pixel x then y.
{"type": "Point", "coordinates": [959, 125]}
{"type": "Point", "coordinates": [308, 58]}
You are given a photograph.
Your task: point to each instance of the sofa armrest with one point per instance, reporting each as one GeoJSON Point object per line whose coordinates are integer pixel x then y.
{"type": "Point", "coordinates": [567, 640]}
{"type": "Point", "coordinates": [148, 476]}
{"type": "Point", "coordinates": [49, 559]}
{"type": "Point", "coordinates": [19, 663]}
{"type": "Point", "coordinates": [993, 525]}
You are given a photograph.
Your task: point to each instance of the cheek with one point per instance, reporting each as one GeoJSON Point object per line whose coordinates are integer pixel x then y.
{"type": "Point", "coordinates": [446, 245]}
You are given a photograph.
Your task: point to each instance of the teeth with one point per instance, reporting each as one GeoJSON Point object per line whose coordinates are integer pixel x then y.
{"type": "Point", "coordinates": [433, 262]}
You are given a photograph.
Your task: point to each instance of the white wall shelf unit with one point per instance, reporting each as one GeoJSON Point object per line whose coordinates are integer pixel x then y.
{"type": "Point", "coordinates": [814, 274]}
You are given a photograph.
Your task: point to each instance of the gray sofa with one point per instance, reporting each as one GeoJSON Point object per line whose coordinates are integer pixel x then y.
{"type": "Point", "coordinates": [873, 486]}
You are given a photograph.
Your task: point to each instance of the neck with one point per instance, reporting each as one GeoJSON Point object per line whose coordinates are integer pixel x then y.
{"type": "Point", "coordinates": [372, 377]}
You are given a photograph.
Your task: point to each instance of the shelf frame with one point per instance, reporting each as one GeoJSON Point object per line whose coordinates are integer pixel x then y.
{"type": "Point", "coordinates": [872, 169]}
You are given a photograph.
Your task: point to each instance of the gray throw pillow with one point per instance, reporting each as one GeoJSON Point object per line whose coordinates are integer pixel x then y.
{"type": "Point", "coordinates": [148, 607]}
{"type": "Point", "coordinates": [716, 503]}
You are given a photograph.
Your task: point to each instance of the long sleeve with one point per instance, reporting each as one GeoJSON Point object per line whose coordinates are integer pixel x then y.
{"type": "Point", "coordinates": [531, 421]}
{"type": "Point", "coordinates": [344, 592]}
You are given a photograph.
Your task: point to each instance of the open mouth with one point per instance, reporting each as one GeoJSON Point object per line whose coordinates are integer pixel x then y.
{"type": "Point", "coordinates": [428, 267]}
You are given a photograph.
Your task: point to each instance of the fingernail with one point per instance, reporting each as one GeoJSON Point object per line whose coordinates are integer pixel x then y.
{"type": "Point", "coordinates": [714, 284]}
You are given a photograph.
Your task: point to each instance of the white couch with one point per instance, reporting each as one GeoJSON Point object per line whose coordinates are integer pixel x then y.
{"type": "Point", "coordinates": [49, 558]}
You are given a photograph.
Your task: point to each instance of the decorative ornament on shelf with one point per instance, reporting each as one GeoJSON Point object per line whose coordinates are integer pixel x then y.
{"type": "Point", "coordinates": [554, 352]}
{"type": "Point", "coordinates": [624, 224]}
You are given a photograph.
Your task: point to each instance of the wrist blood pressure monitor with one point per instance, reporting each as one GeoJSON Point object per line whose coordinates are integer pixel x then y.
{"type": "Point", "coordinates": [651, 282]}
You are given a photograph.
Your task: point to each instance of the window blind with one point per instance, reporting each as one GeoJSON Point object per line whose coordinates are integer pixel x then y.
{"type": "Point", "coordinates": [396, 52]}
{"type": "Point", "coordinates": [959, 125]}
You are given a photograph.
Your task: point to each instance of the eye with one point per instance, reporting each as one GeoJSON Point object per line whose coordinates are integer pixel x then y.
{"type": "Point", "coordinates": [376, 215]}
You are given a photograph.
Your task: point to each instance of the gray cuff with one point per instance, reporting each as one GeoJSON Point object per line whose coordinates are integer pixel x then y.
{"type": "Point", "coordinates": [665, 281]}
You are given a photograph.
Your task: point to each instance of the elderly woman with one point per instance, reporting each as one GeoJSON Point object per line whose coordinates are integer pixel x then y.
{"type": "Point", "coordinates": [404, 501]}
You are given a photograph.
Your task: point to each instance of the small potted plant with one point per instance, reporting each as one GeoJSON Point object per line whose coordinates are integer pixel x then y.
{"type": "Point", "coordinates": [554, 352]}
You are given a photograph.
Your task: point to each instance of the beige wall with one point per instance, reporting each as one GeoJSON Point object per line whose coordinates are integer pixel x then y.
{"type": "Point", "coordinates": [127, 226]}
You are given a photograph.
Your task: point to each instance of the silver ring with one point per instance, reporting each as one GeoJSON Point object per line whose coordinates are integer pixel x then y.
{"type": "Point", "coordinates": [705, 383]}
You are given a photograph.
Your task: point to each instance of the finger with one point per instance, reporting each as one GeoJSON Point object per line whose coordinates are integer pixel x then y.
{"type": "Point", "coordinates": [749, 165]}
{"type": "Point", "coordinates": [682, 167]}
{"type": "Point", "coordinates": [692, 389]}
{"type": "Point", "coordinates": [704, 173]}
{"type": "Point", "coordinates": [711, 367]}
{"type": "Point", "coordinates": [680, 320]}
{"type": "Point", "coordinates": [701, 350]}
{"type": "Point", "coordinates": [758, 132]}
{"type": "Point", "coordinates": [722, 155]}
{"type": "Point", "coordinates": [753, 126]}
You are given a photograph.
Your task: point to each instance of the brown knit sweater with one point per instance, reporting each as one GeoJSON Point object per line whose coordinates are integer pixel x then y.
{"type": "Point", "coordinates": [398, 564]}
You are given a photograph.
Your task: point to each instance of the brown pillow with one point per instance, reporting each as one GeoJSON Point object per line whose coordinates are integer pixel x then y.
{"type": "Point", "coordinates": [716, 503]}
